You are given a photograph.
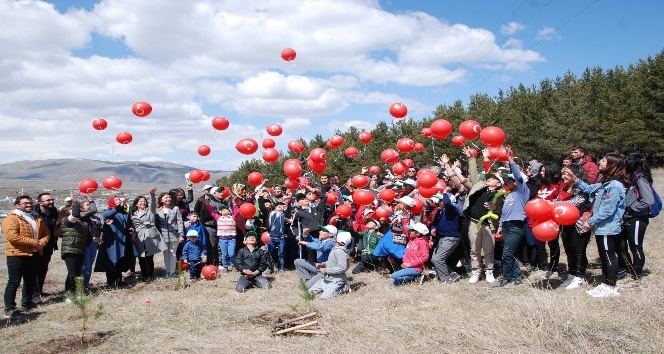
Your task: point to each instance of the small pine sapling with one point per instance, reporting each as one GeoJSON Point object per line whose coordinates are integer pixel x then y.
{"type": "Point", "coordinates": [82, 301]}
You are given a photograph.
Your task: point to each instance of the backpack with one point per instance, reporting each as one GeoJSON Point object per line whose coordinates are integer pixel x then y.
{"type": "Point", "coordinates": [656, 207]}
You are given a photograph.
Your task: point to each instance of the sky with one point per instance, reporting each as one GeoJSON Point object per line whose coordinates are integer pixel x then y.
{"type": "Point", "coordinates": [65, 63]}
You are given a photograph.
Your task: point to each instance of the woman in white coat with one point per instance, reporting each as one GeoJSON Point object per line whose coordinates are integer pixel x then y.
{"type": "Point", "coordinates": [171, 226]}
{"type": "Point", "coordinates": [147, 238]}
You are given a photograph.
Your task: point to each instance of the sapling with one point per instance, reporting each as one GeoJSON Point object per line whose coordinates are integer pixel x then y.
{"type": "Point", "coordinates": [82, 301]}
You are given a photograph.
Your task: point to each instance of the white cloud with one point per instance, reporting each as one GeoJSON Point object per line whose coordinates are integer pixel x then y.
{"type": "Point", "coordinates": [547, 34]}
{"type": "Point", "coordinates": [511, 28]}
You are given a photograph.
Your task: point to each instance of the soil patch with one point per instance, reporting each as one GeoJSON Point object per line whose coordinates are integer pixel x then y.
{"type": "Point", "coordinates": [70, 344]}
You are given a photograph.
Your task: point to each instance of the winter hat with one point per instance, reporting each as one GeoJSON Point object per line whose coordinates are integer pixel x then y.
{"type": "Point", "coordinates": [249, 234]}
{"type": "Point", "coordinates": [192, 233]}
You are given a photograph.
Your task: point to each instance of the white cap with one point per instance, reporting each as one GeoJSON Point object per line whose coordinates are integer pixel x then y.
{"type": "Point", "coordinates": [410, 182]}
{"type": "Point", "coordinates": [68, 199]}
{"type": "Point", "coordinates": [214, 190]}
{"type": "Point", "coordinates": [207, 186]}
{"type": "Point", "coordinates": [192, 233]}
{"type": "Point", "coordinates": [344, 238]}
{"type": "Point", "coordinates": [331, 229]}
{"type": "Point", "coordinates": [419, 227]}
{"type": "Point", "coordinates": [406, 200]}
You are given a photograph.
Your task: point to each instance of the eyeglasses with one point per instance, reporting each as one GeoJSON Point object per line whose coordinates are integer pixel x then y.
{"type": "Point", "coordinates": [411, 170]}
{"type": "Point", "coordinates": [25, 203]}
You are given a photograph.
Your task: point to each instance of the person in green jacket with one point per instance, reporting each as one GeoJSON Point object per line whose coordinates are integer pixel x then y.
{"type": "Point", "coordinates": [369, 239]}
{"type": "Point", "coordinates": [74, 225]}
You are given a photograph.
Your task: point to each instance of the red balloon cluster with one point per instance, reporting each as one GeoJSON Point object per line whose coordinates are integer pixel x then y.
{"type": "Point", "coordinates": [204, 150]}
{"type": "Point", "coordinates": [497, 153]}
{"type": "Point", "coordinates": [99, 123]}
{"type": "Point", "coordinates": [398, 110]}
{"type": "Point", "coordinates": [220, 123]}
{"type": "Point", "coordinates": [141, 109]}
{"type": "Point", "coordinates": [112, 183]}
{"type": "Point", "coordinates": [383, 212]}
{"type": "Point", "coordinates": [247, 146]}
{"type": "Point", "coordinates": [124, 138]}
{"type": "Point", "coordinates": [88, 185]}
{"type": "Point", "coordinates": [288, 54]}
{"type": "Point", "coordinates": [196, 176]}
{"type": "Point", "coordinates": [274, 129]}
{"type": "Point", "coordinates": [387, 195]}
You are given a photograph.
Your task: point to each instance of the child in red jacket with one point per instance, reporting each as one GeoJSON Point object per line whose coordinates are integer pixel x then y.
{"type": "Point", "coordinates": [417, 253]}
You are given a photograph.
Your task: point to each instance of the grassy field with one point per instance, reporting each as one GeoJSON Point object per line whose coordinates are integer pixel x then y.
{"type": "Point", "coordinates": [430, 318]}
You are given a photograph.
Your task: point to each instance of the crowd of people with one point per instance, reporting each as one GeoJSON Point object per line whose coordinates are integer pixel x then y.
{"type": "Point", "coordinates": [475, 227]}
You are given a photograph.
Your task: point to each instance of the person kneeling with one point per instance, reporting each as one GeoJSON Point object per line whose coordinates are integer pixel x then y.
{"type": "Point", "coordinates": [334, 281]}
{"type": "Point", "coordinates": [251, 262]}
{"type": "Point", "coordinates": [417, 252]}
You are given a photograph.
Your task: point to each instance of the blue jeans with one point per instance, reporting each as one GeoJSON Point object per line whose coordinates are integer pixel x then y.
{"type": "Point", "coordinates": [513, 231]}
{"type": "Point", "coordinates": [227, 248]}
{"type": "Point", "coordinates": [88, 262]}
{"type": "Point", "coordinates": [277, 244]}
{"type": "Point", "coordinates": [404, 275]}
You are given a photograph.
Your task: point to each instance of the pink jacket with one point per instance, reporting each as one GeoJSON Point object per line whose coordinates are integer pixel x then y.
{"type": "Point", "coordinates": [417, 253]}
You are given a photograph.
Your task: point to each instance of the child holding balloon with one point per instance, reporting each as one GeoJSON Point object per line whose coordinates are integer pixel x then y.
{"type": "Point", "coordinates": [608, 200]}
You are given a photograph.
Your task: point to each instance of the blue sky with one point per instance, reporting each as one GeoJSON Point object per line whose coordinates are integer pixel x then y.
{"type": "Point", "coordinates": [65, 63]}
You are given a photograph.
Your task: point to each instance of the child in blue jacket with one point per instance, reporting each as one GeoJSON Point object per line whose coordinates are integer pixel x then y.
{"type": "Point", "coordinates": [194, 253]}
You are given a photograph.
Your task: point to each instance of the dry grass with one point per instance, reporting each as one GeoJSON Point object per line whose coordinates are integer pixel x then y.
{"type": "Point", "coordinates": [457, 318]}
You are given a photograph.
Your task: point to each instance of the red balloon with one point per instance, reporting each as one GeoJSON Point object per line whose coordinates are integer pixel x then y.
{"type": "Point", "coordinates": [363, 197]}
{"type": "Point", "coordinates": [427, 192]}
{"type": "Point", "coordinates": [304, 181]}
{"type": "Point", "coordinates": [225, 193]}
{"type": "Point", "coordinates": [406, 145]}
{"type": "Point", "coordinates": [292, 170]}
{"type": "Point", "coordinates": [124, 138]}
{"type": "Point", "coordinates": [344, 211]}
{"type": "Point", "coordinates": [440, 129]}
{"type": "Point", "coordinates": [473, 152]}
{"type": "Point", "coordinates": [270, 155]}
{"type": "Point", "coordinates": [383, 212]}
{"type": "Point", "coordinates": [141, 109]}
{"type": "Point", "coordinates": [546, 231]}
{"type": "Point", "coordinates": [220, 123]}
{"type": "Point", "coordinates": [492, 136]}
{"type": "Point", "coordinates": [470, 129]}
{"type": "Point", "coordinates": [206, 176]}
{"type": "Point", "coordinates": [196, 176]}
{"type": "Point", "coordinates": [387, 195]}
{"type": "Point", "coordinates": [209, 272]}
{"type": "Point", "coordinates": [332, 198]}
{"type": "Point", "coordinates": [398, 110]}
{"type": "Point", "coordinates": [265, 238]}
{"type": "Point", "coordinates": [441, 186]}
{"type": "Point", "coordinates": [365, 137]}
{"type": "Point", "coordinates": [399, 168]}
{"type": "Point", "coordinates": [427, 179]}
{"type": "Point", "coordinates": [426, 132]}
{"type": "Point", "coordinates": [112, 183]}
{"type": "Point", "coordinates": [292, 183]}
{"type": "Point", "coordinates": [99, 123]}
{"type": "Point", "coordinates": [204, 150]}
{"type": "Point", "coordinates": [497, 153]}
{"type": "Point", "coordinates": [458, 140]}
{"type": "Point", "coordinates": [374, 170]}
{"type": "Point", "coordinates": [351, 152]}
{"type": "Point", "coordinates": [247, 146]}
{"type": "Point", "coordinates": [418, 207]}
{"type": "Point", "coordinates": [268, 143]}
{"type": "Point", "coordinates": [317, 167]}
{"type": "Point", "coordinates": [538, 209]}
{"type": "Point", "coordinates": [419, 147]}
{"type": "Point", "coordinates": [318, 155]}
{"type": "Point", "coordinates": [255, 178]}
{"type": "Point", "coordinates": [288, 54]}
{"type": "Point", "coordinates": [295, 161]}
{"type": "Point", "coordinates": [184, 266]}
{"type": "Point", "coordinates": [274, 129]}
{"type": "Point", "coordinates": [88, 186]}
{"type": "Point", "coordinates": [565, 214]}
{"type": "Point", "coordinates": [408, 162]}
{"type": "Point", "coordinates": [296, 146]}
{"type": "Point", "coordinates": [248, 210]}
{"type": "Point", "coordinates": [333, 220]}
{"type": "Point", "coordinates": [336, 141]}
{"type": "Point", "coordinates": [360, 181]}
{"type": "Point", "coordinates": [389, 156]}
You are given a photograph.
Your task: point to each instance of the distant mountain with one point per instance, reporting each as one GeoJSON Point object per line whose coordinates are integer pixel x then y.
{"type": "Point", "coordinates": [74, 170]}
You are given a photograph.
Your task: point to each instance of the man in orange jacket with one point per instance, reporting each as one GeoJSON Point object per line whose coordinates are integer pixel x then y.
{"type": "Point", "coordinates": [26, 234]}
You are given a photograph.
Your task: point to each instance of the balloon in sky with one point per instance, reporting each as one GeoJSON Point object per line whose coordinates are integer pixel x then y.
{"type": "Point", "coordinates": [141, 109]}
{"type": "Point", "coordinates": [274, 129]}
{"type": "Point", "coordinates": [270, 155]}
{"type": "Point", "coordinates": [398, 110]}
{"type": "Point", "coordinates": [470, 129]}
{"type": "Point", "coordinates": [88, 186]}
{"type": "Point", "coordinates": [365, 137]}
{"type": "Point", "coordinates": [268, 143]}
{"type": "Point", "coordinates": [99, 123]}
{"type": "Point", "coordinates": [112, 183]}
{"type": "Point", "coordinates": [204, 150]}
{"type": "Point", "coordinates": [440, 129]}
{"type": "Point", "coordinates": [220, 123]}
{"type": "Point", "coordinates": [124, 138]}
{"type": "Point", "coordinates": [246, 146]}
{"type": "Point", "coordinates": [288, 54]}
{"type": "Point", "coordinates": [492, 136]}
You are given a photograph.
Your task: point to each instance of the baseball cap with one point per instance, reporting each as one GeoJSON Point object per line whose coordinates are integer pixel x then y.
{"type": "Point", "coordinates": [207, 186]}
{"type": "Point", "coordinates": [214, 190]}
{"type": "Point", "coordinates": [410, 182]}
{"type": "Point", "coordinates": [371, 220]}
{"type": "Point", "coordinates": [344, 238]}
{"type": "Point", "coordinates": [299, 196]}
{"type": "Point", "coordinates": [249, 234]}
{"type": "Point", "coordinates": [68, 199]}
{"type": "Point", "coordinates": [493, 175]}
{"type": "Point", "coordinates": [192, 233]}
{"type": "Point", "coordinates": [331, 229]}
{"type": "Point", "coordinates": [406, 200]}
{"type": "Point", "coordinates": [419, 227]}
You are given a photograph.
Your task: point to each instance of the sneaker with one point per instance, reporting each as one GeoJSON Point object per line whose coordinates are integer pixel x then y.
{"type": "Point", "coordinates": [475, 276]}
{"type": "Point", "coordinates": [488, 274]}
{"type": "Point", "coordinates": [576, 283]}
{"type": "Point", "coordinates": [499, 283]}
{"type": "Point", "coordinates": [222, 268]}
{"type": "Point", "coordinates": [603, 290]}
{"type": "Point", "coordinates": [431, 274]}
{"type": "Point", "coordinates": [9, 314]}
{"type": "Point", "coordinates": [454, 277]}
{"type": "Point", "coordinates": [567, 281]}
{"type": "Point", "coordinates": [512, 284]}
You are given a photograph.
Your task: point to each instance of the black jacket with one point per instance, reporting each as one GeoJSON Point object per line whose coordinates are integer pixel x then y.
{"type": "Point", "coordinates": [253, 260]}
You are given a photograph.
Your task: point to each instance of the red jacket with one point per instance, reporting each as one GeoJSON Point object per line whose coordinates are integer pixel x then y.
{"type": "Point", "coordinates": [590, 167]}
{"type": "Point", "coordinates": [417, 252]}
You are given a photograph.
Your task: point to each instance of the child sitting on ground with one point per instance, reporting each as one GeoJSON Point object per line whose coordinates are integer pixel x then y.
{"type": "Point", "coordinates": [194, 253]}
{"type": "Point", "coordinates": [251, 262]}
{"type": "Point", "coordinates": [334, 281]}
{"type": "Point", "coordinates": [417, 253]}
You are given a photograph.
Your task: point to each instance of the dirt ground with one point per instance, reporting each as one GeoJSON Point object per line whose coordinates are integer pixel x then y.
{"type": "Point", "coordinates": [538, 317]}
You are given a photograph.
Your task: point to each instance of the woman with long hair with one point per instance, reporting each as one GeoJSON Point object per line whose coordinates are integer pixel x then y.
{"type": "Point", "coordinates": [638, 199]}
{"type": "Point", "coordinates": [171, 227]}
{"type": "Point", "coordinates": [147, 238]}
{"type": "Point", "coordinates": [182, 201]}
{"type": "Point", "coordinates": [116, 252]}
{"type": "Point", "coordinates": [608, 198]}
{"type": "Point", "coordinates": [548, 181]}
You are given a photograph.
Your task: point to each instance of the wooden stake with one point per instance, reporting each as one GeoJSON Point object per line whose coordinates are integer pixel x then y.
{"type": "Point", "coordinates": [295, 319]}
{"type": "Point", "coordinates": [296, 327]}
{"type": "Point", "coordinates": [309, 331]}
